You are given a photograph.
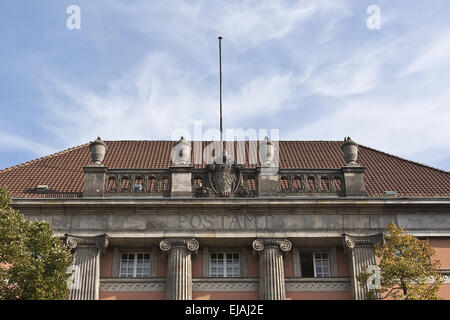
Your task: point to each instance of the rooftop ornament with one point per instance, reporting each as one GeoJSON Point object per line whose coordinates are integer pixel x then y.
{"type": "Point", "coordinates": [98, 151]}
{"type": "Point", "coordinates": [181, 153]}
{"type": "Point", "coordinates": [266, 152]}
{"type": "Point", "coordinates": [350, 149]}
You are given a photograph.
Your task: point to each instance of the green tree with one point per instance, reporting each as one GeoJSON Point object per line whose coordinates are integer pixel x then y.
{"type": "Point", "coordinates": [33, 263]}
{"type": "Point", "coordinates": [408, 268]}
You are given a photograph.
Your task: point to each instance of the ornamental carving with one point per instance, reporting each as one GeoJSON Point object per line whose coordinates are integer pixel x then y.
{"type": "Point", "coordinates": [283, 244]}
{"type": "Point", "coordinates": [189, 244]}
{"type": "Point", "coordinates": [353, 241]}
{"type": "Point", "coordinates": [99, 242]}
{"type": "Point", "coordinates": [225, 177]}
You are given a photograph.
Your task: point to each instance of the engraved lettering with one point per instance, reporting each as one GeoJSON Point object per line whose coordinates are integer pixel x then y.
{"type": "Point", "coordinates": [250, 222]}
{"type": "Point", "coordinates": [182, 219]}
{"type": "Point", "coordinates": [235, 221]}
{"type": "Point", "coordinates": [209, 222]}
{"type": "Point", "coordinates": [196, 221]}
{"type": "Point", "coordinates": [260, 225]}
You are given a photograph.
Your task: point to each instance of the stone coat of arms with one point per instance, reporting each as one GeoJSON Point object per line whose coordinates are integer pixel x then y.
{"type": "Point", "coordinates": [225, 177]}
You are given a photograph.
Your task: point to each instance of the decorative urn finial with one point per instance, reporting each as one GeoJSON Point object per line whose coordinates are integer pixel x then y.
{"type": "Point", "coordinates": [98, 151]}
{"type": "Point", "coordinates": [350, 149]}
{"type": "Point", "coordinates": [181, 153]}
{"type": "Point", "coordinates": [266, 151]}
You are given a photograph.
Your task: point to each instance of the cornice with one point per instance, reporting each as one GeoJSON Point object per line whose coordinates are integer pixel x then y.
{"type": "Point", "coordinates": [262, 201]}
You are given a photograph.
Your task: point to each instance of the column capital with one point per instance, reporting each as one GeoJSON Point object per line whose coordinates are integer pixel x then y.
{"type": "Point", "coordinates": [283, 244]}
{"type": "Point", "coordinates": [189, 244]}
{"type": "Point", "coordinates": [351, 242]}
{"type": "Point", "coordinates": [99, 242]}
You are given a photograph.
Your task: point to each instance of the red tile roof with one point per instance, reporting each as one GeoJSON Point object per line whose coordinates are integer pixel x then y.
{"type": "Point", "coordinates": [63, 171]}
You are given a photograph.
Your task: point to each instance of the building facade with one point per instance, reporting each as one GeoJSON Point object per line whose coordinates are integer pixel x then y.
{"type": "Point", "coordinates": [270, 220]}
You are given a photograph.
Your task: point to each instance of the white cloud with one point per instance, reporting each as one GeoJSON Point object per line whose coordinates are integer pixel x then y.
{"type": "Point", "coordinates": [411, 126]}
{"type": "Point", "coordinates": [153, 101]}
{"type": "Point", "coordinates": [15, 142]}
{"type": "Point", "coordinates": [359, 73]}
{"type": "Point", "coordinates": [245, 23]}
{"type": "Point", "coordinates": [434, 58]}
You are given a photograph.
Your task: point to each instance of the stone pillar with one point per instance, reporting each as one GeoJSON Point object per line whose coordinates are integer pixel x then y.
{"type": "Point", "coordinates": [271, 267]}
{"type": "Point", "coordinates": [179, 267]}
{"type": "Point", "coordinates": [354, 181]}
{"type": "Point", "coordinates": [181, 182]}
{"type": "Point", "coordinates": [87, 265]}
{"type": "Point", "coordinates": [268, 182]}
{"type": "Point", "coordinates": [94, 181]}
{"type": "Point", "coordinates": [362, 255]}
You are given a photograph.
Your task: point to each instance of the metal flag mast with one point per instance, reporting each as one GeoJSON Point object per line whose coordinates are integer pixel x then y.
{"type": "Point", "coordinates": [220, 66]}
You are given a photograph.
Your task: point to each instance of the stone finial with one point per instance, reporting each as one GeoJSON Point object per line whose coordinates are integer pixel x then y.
{"type": "Point", "coordinates": [350, 149]}
{"type": "Point", "coordinates": [266, 151]}
{"type": "Point", "coordinates": [181, 153]}
{"type": "Point", "coordinates": [98, 151]}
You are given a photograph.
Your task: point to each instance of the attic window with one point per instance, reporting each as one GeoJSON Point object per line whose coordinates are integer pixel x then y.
{"type": "Point", "coordinates": [337, 184]}
{"type": "Point", "coordinates": [311, 184]}
{"type": "Point", "coordinates": [298, 186]}
{"type": "Point", "coordinates": [42, 188]}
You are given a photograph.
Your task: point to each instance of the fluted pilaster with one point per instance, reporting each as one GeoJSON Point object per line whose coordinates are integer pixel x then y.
{"type": "Point", "coordinates": [87, 265]}
{"type": "Point", "coordinates": [179, 267]}
{"type": "Point", "coordinates": [271, 267]}
{"type": "Point", "coordinates": [362, 255]}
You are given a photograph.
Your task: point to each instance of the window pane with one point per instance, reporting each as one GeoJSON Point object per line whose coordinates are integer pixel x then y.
{"type": "Point", "coordinates": [321, 263]}
{"type": "Point", "coordinates": [224, 264]}
{"type": "Point", "coordinates": [135, 265]}
{"type": "Point", "coordinates": [306, 262]}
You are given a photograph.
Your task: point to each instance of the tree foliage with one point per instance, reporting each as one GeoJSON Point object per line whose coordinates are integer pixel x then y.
{"type": "Point", "coordinates": [33, 263]}
{"type": "Point", "coordinates": [408, 267]}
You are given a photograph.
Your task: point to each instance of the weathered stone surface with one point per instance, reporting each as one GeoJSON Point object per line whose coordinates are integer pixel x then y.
{"type": "Point", "coordinates": [271, 267]}
{"type": "Point", "coordinates": [87, 263]}
{"type": "Point", "coordinates": [181, 184]}
{"type": "Point", "coordinates": [361, 255]}
{"type": "Point", "coordinates": [94, 184]}
{"type": "Point", "coordinates": [354, 181]}
{"type": "Point", "coordinates": [179, 267]}
{"type": "Point", "coordinates": [268, 184]}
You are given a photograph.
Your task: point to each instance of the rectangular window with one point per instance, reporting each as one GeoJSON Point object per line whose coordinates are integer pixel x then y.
{"type": "Point", "coordinates": [321, 265]}
{"type": "Point", "coordinates": [315, 264]}
{"type": "Point", "coordinates": [223, 265]}
{"type": "Point", "coordinates": [135, 265]}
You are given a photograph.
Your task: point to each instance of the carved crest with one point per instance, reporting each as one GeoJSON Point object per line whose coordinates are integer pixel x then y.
{"type": "Point", "coordinates": [225, 177]}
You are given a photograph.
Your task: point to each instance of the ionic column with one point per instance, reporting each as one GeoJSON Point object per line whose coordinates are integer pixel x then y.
{"type": "Point", "coordinates": [179, 267]}
{"type": "Point", "coordinates": [87, 265]}
{"type": "Point", "coordinates": [362, 255]}
{"type": "Point", "coordinates": [271, 267]}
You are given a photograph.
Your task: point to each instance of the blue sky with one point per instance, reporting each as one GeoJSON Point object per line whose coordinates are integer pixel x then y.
{"type": "Point", "coordinates": [143, 69]}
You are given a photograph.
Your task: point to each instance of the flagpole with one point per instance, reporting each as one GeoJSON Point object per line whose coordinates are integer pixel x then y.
{"type": "Point", "coordinates": [220, 65]}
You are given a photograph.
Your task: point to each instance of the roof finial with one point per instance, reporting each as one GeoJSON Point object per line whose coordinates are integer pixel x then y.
{"type": "Point", "coordinates": [350, 149]}
{"type": "Point", "coordinates": [98, 150]}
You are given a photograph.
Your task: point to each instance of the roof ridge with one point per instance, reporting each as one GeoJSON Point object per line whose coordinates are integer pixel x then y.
{"type": "Point", "coordinates": [164, 140]}
{"type": "Point", "coordinates": [404, 159]}
{"type": "Point", "coordinates": [44, 157]}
